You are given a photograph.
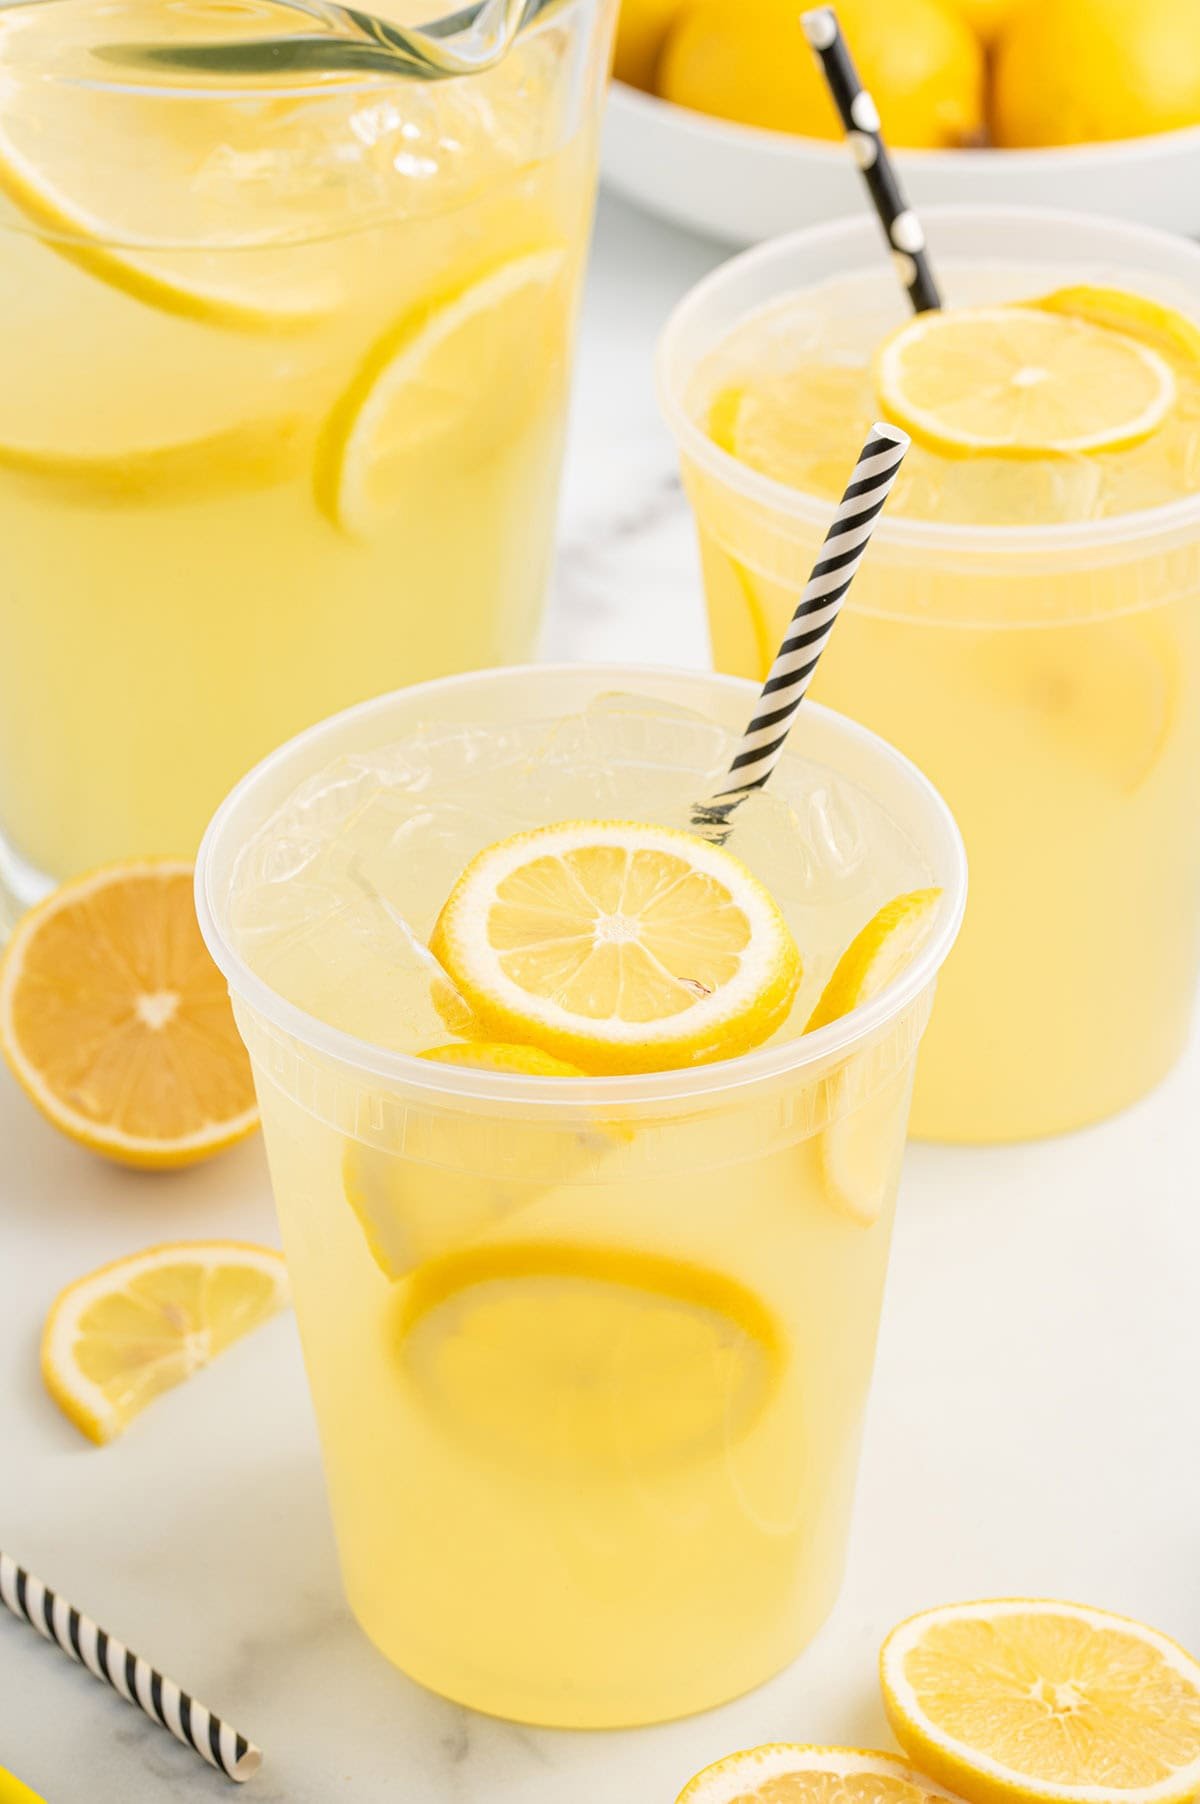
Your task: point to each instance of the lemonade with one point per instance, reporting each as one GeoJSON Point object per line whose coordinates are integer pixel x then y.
{"type": "Point", "coordinates": [589, 1355]}
{"type": "Point", "coordinates": [283, 366]}
{"type": "Point", "coordinates": [1027, 626]}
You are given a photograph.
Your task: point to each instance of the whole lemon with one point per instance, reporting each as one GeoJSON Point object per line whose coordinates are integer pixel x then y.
{"type": "Point", "coordinates": [752, 62]}
{"type": "Point", "coordinates": [642, 25]}
{"type": "Point", "coordinates": [987, 18]}
{"type": "Point", "coordinates": [1077, 71]}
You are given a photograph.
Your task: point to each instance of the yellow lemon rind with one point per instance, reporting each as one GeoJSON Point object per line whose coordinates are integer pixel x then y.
{"type": "Point", "coordinates": [733, 1779]}
{"type": "Point", "coordinates": [978, 1777]}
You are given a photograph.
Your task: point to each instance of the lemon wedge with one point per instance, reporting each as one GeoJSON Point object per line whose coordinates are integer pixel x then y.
{"type": "Point", "coordinates": [458, 373]}
{"type": "Point", "coordinates": [788, 1773]}
{"type": "Point", "coordinates": [476, 1173]}
{"type": "Point", "coordinates": [617, 946]}
{"type": "Point", "coordinates": [115, 1340]}
{"type": "Point", "coordinates": [860, 1151]}
{"type": "Point", "coordinates": [1028, 1701]}
{"type": "Point", "coordinates": [1021, 382]}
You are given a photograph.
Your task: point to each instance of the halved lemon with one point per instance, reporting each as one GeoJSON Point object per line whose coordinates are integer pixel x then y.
{"type": "Point", "coordinates": [784, 1772]}
{"type": "Point", "coordinates": [423, 1201]}
{"type": "Point", "coordinates": [1021, 382]}
{"type": "Point", "coordinates": [618, 946]}
{"type": "Point", "coordinates": [860, 1151]}
{"type": "Point", "coordinates": [1156, 324]}
{"type": "Point", "coordinates": [117, 1023]}
{"type": "Point", "coordinates": [459, 371]}
{"type": "Point", "coordinates": [1020, 1700]}
{"type": "Point", "coordinates": [115, 1340]}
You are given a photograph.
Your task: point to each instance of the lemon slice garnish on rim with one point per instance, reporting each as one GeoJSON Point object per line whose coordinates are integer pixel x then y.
{"type": "Point", "coordinates": [115, 1340]}
{"type": "Point", "coordinates": [617, 946]}
{"type": "Point", "coordinates": [1030, 1701]}
{"type": "Point", "coordinates": [859, 1152]}
{"type": "Point", "coordinates": [458, 372]}
{"type": "Point", "coordinates": [789, 1773]}
{"type": "Point", "coordinates": [1021, 382]}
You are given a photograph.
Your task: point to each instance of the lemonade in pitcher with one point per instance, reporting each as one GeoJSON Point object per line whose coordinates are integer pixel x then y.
{"type": "Point", "coordinates": [284, 353]}
{"type": "Point", "coordinates": [584, 1134]}
{"type": "Point", "coordinates": [1027, 626]}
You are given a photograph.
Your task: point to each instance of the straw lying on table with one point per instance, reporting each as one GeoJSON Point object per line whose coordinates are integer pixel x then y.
{"type": "Point", "coordinates": [860, 116]}
{"type": "Point", "coordinates": [808, 631]}
{"type": "Point", "coordinates": [132, 1677]}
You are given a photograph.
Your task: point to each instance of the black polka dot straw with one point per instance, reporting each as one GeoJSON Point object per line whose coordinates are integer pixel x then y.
{"type": "Point", "coordinates": [859, 115]}
{"type": "Point", "coordinates": [129, 1675]}
{"type": "Point", "coordinates": [808, 631]}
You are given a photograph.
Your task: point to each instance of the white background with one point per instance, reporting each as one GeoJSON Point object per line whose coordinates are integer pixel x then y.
{"type": "Point", "coordinates": [1033, 1427]}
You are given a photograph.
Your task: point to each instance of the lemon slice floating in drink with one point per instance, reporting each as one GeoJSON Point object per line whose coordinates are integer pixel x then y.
{"type": "Point", "coordinates": [74, 156]}
{"type": "Point", "coordinates": [788, 1773]}
{"type": "Point", "coordinates": [1027, 1701]}
{"type": "Point", "coordinates": [413, 1209]}
{"type": "Point", "coordinates": [1021, 382]}
{"type": "Point", "coordinates": [118, 1338]}
{"type": "Point", "coordinates": [859, 1150]}
{"type": "Point", "coordinates": [588, 1358]}
{"type": "Point", "coordinates": [619, 947]}
{"type": "Point", "coordinates": [460, 370]}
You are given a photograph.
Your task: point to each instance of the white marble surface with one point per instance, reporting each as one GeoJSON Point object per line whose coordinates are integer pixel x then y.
{"type": "Point", "coordinates": [1033, 1426]}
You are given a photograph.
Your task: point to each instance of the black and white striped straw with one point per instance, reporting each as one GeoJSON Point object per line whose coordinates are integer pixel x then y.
{"type": "Point", "coordinates": [129, 1675]}
{"type": "Point", "coordinates": [860, 116]}
{"type": "Point", "coordinates": [808, 631]}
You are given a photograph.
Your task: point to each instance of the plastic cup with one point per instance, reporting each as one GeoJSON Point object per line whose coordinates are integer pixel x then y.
{"type": "Point", "coordinates": [1047, 677]}
{"type": "Point", "coordinates": [591, 1441]}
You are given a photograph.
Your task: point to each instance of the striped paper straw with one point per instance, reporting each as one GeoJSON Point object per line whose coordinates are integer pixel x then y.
{"type": "Point", "coordinates": [134, 1678]}
{"type": "Point", "coordinates": [808, 631]}
{"type": "Point", "coordinates": [860, 116]}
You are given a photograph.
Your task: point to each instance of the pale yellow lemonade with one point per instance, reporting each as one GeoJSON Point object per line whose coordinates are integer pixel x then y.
{"type": "Point", "coordinates": [589, 1357]}
{"type": "Point", "coordinates": [1050, 689]}
{"type": "Point", "coordinates": [283, 367]}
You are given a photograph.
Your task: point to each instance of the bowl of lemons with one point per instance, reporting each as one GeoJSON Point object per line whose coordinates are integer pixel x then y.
{"type": "Point", "coordinates": [719, 119]}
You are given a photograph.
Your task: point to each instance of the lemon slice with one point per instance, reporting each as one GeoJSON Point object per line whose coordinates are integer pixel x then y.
{"type": "Point", "coordinates": [115, 1340]}
{"type": "Point", "coordinates": [458, 373]}
{"type": "Point", "coordinates": [413, 1207]}
{"type": "Point", "coordinates": [147, 189]}
{"type": "Point", "coordinates": [887, 944]}
{"type": "Point", "coordinates": [254, 456]}
{"type": "Point", "coordinates": [1119, 310]}
{"type": "Point", "coordinates": [117, 1023]}
{"type": "Point", "coordinates": [618, 946]}
{"type": "Point", "coordinates": [860, 1151]}
{"type": "Point", "coordinates": [1021, 1700]}
{"type": "Point", "coordinates": [1020, 382]}
{"type": "Point", "coordinates": [592, 1361]}
{"type": "Point", "coordinates": [787, 1773]}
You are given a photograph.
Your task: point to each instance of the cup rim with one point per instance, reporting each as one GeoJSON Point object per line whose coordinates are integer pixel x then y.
{"type": "Point", "coordinates": [460, 1083]}
{"type": "Point", "coordinates": [1125, 530]}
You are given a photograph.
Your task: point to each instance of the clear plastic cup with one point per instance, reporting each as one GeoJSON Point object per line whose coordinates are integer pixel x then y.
{"type": "Point", "coordinates": [1047, 677]}
{"type": "Point", "coordinates": [591, 1438]}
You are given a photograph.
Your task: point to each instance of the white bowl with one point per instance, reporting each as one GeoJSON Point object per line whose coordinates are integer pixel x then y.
{"type": "Point", "coordinates": [740, 184]}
